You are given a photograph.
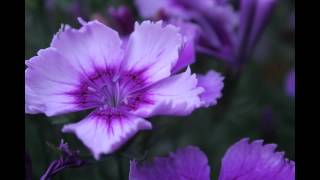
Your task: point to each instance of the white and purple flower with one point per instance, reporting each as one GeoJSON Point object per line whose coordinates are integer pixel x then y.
{"type": "Point", "coordinates": [89, 68]}
{"type": "Point", "coordinates": [242, 161]}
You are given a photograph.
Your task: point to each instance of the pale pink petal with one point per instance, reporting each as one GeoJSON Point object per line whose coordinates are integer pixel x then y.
{"type": "Point", "coordinates": [212, 83]}
{"type": "Point", "coordinates": [176, 95]}
{"type": "Point", "coordinates": [104, 131]}
{"type": "Point", "coordinates": [153, 50]}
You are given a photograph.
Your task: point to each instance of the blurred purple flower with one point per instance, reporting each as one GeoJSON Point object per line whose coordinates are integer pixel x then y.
{"type": "Point", "coordinates": [242, 161]}
{"type": "Point", "coordinates": [68, 159]}
{"type": "Point", "coordinates": [226, 34]}
{"type": "Point", "coordinates": [123, 19]}
{"type": "Point", "coordinates": [290, 83]}
{"type": "Point", "coordinates": [90, 69]}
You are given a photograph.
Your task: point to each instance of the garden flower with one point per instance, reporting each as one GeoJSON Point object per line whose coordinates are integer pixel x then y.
{"type": "Point", "coordinates": [226, 33]}
{"type": "Point", "coordinates": [290, 83]}
{"type": "Point", "coordinates": [242, 161]}
{"type": "Point", "coordinates": [89, 68]}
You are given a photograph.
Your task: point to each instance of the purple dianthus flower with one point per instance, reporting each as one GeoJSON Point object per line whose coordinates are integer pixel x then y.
{"type": "Point", "coordinates": [89, 68]}
{"type": "Point", "coordinates": [242, 161]}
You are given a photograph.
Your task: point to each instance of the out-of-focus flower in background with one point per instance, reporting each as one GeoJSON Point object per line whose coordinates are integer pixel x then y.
{"type": "Point", "coordinates": [242, 161]}
{"type": "Point", "coordinates": [122, 18]}
{"type": "Point", "coordinates": [225, 33]}
{"type": "Point", "coordinates": [89, 69]}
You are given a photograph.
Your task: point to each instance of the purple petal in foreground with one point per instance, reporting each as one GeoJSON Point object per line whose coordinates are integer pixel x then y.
{"type": "Point", "coordinates": [187, 163]}
{"type": "Point", "coordinates": [255, 161]}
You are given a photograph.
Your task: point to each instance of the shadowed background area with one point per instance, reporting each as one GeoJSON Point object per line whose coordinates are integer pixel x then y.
{"type": "Point", "coordinates": [258, 107]}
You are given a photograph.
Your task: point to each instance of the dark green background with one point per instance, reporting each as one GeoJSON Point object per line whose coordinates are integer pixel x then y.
{"type": "Point", "coordinates": [260, 88]}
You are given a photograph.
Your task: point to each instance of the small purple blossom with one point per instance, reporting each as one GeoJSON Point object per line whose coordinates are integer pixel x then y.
{"type": "Point", "coordinates": [225, 33]}
{"type": "Point", "coordinates": [242, 161]}
{"type": "Point", "coordinates": [68, 159]}
{"type": "Point", "coordinates": [290, 83]}
{"type": "Point", "coordinates": [90, 68]}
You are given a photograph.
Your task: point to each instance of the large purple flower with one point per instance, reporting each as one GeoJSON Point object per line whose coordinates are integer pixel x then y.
{"type": "Point", "coordinates": [226, 33]}
{"type": "Point", "coordinates": [90, 69]}
{"type": "Point", "coordinates": [242, 161]}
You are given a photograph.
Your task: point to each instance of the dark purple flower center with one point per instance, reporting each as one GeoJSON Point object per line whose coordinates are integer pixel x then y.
{"type": "Point", "coordinates": [112, 89]}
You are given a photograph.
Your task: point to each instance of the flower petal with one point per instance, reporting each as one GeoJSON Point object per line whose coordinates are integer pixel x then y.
{"type": "Point", "coordinates": [49, 77]}
{"type": "Point", "coordinates": [245, 161]}
{"type": "Point", "coordinates": [153, 49]}
{"type": "Point", "coordinates": [176, 95]}
{"type": "Point", "coordinates": [212, 83]}
{"type": "Point", "coordinates": [187, 55]}
{"type": "Point", "coordinates": [94, 45]}
{"type": "Point", "coordinates": [105, 131]}
{"type": "Point", "coordinates": [264, 9]}
{"type": "Point", "coordinates": [186, 163]}
{"type": "Point", "coordinates": [254, 16]}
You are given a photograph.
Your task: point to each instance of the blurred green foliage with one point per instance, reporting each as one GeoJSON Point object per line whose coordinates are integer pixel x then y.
{"type": "Point", "coordinates": [260, 88]}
